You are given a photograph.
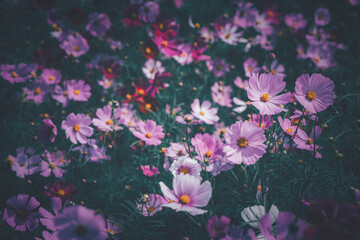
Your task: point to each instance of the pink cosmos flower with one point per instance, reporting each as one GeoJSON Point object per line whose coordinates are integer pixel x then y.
{"type": "Point", "coordinates": [105, 82]}
{"type": "Point", "coordinates": [204, 112]}
{"type": "Point", "coordinates": [92, 151]}
{"type": "Point", "coordinates": [169, 47]}
{"type": "Point", "coordinates": [21, 214]}
{"type": "Point", "coordinates": [286, 126]}
{"type": "Point", "coordinates": [36, 91]}
{"type": "Point", "coordinates": [306, 142]}
{"type": "Point", "coordinates": [149, 172]}
{"type": "Point", "coordinates": [263, 25]}
{"type": "Point", "coordinates": [315, 93]}
{"type": "Point", "coordinates": [149, 132]}
{"type": "Point", "coordinates": [98, 24]}
{"type": "Point", "coordinates": [322, 16]}
{"type": "Point", "coordinates": [245, 15]}
{"type": "Point", "coordinates": [47, 131]}
{"type": "Point", "coordinates": [251, 67]}
{"type": "Point", "coordinates": [262, 121]}
{"type": "Point", "coordinates": [51, 76]}
{"type": "Point", "coordinates": [17, 74]}
{"type": "Point", "coordinates": [263, 91]}
{"type": "Point", "coordinates": [186, 54]}
{"type": "Point", "coordinates": [221, 94]}
{"type": "Point", "coordinates": [105, 121]}
{"type": "Point", "coordinates": [207, 34]}
{"type": "Point", "coordinates": [244, 143]}
{"type": "Point", "coordinates": [150, 204]}
{"type": "Point", "coordinates": [48, 218]}
{"type": "Point", "coordinates": [77, 128]}
{"type": "Point", "coordinates": [78, 90]}
{"type": "Point", "coordinates": [149, 11]}
{"type": "Point", "coordinates": [218, 66]}
{"type": "Point", "coordinates": [276, 69]}
{"type": "Point", "coordinates": [188, 194]}
{"type": "Point", "coordinates": [217, 227]}
{"type": "Point", "coordinates": [25, 163]}
{"type": "Point", "coordinates": [228, 34]}
{"type": "Point", "coordinates": [60, 93]}
{"type": "Point", "coordinates": [185, 165]}
{"type": "Point", "coordinates": [152, 67]}
{"type": "Point", "coordinates": [54, 163]}
{"type": "Point", "coordinates": [295, 20]}
{"type": "Point", "coordinates": [75, 45]}
{"type": "Point", "coordinates": [208, 149]}
{"type": "Point", "coordinates": [240, 83]}
{"type": "Point", "coordinates": [177, 150]}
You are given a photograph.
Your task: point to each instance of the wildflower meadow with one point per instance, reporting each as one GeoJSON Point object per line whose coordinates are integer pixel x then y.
{"type": "Point", "coordinates": [180, 119]}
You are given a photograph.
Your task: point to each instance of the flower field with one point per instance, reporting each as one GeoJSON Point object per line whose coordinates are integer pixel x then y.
{"type": "Point", "coordinates": [179, 119]}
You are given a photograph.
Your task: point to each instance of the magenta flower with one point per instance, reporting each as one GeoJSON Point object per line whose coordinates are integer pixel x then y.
{"type": "Point", "coordinates": [25, 163]}
{"type": "Point", "coordinates": [20, 214]}
{"type": "Point", "coordinates": [92, 151]}
{"type": "Point", "coordinates": [149, 132]}
{"type": "Point", "coordinates": [149, 172]}
{"type": "Point", "coordinates": [78, 90]}
{"type": "Point", "coordinates": [105, 121]}
{"type": "Point", "coordinates": [217, 227]}
{"type": "Point", "coordinates": [149, 11]}
{"type": "Point", "coordinates": [315, 93]}
{"type": "Point", "coordinates": [36, 91]}
{"type": "Point", "coordinates": [169, 47]}
{"type": "Point", "coordinates": [322, 16]}
{"type": "Point", "coordinates": [286, 126]}
{"type": "Point", "coordinates": [47, 131]}
{"type": "Point", "coordinates": [262, 121]}
{"type": "Point", "coordinates": [208, 149]}
{"type": "Point", "coordinates": [303, 141]}
{"type": "Point", "coordinates": [251, 67]}
{"type": "Point", "coordinates": [61, 94]}
{"type": "Point", "coordinates": [51, 76]}
{"type": "Point", "coordinates": [17, 74]}
{"type": "Point", "coordinates": [185, 165]}
{"type": "Point", "coordinates": [240, 83]}
{"type": "Point", "coordinates": [221, 94]}
{"type": "Point", "coordinates": [75, 45]}
{"type": "Point", "coordinates": [151, 204]}
{"type": "Point", "coordinates": [263, 91]}
{"type": "Point", "coordinates": [78, 222]}
{"type": "Point", "coordinates": [54, 163]}
{"type": "Point", "coordinates": [77, 128]}
{"type": "Point", "coordinates": [188, 194]}
{"type": "Point", "coordinates": [244, 143]}
{"type": "Point", "coordinates": [204, 112]}
{"type": "Point", "coordinates": [48, 218]}
{"type": "Point", "coordinates": [98, 24]}
{"type": "Point", "coordinates": [295, 21]}
{"type": "Point", "coordinates": [186, 54]}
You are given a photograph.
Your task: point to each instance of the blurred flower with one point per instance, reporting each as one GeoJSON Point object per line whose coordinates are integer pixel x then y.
{"type": "Point", "coordinates": [240, 83]}
{"type": "Point", "coordinates": [276, 69]}
{"type": "Point", "coordinates": [251, 215]}
{"type": "Point", "coordinates": [61, 94]}
{"type": "Point", "coordinates": [152, 205]}
{"type": "Point", "coordinates": [295, 21]}
{"type": "Point", "coordinates": [48, 218]}
{"type": "Point", "coordinates": [25, 163]}
{"type": "Point", "coordinates": [149, 132]}
{"type": "Point", "coordinates": [75, 45]}
{"type": "Point", "coordinates": [151, 68]}
{"type": "Point", "coordinates": [131, 15]}
{"type": "Point", "coordinates": [185, 56]}
{"type": "Point", "coordinates": [55, 161]}
{"type": "Point", "coordinates": [47, 131]}
{"type": "Point", "coordinates": [286, 126]}
{"type": "Point", "coordinates": [20, 214]}
{"type": "Point", "coordinates": [92, 151]}
{"type": "Point", "coordinates": [105, 82]}
{"type": "Point", "coordinates": [204, 112]}
{"type": "Point", "coordinates": [78, 90]}
{"type": "Point", "coordinates": [188, 194]}
{"type": "Point", "coordinates": [17, 74]}
{"type": "Point", "coordinates": [150, 50]}
{"type": "Point", "coordinates": [77, 128]}
{"type": "Point", "coordinates": [228, 34]}
{"type": "Point", "coordinates": [185, 165]}
{"type": "Point", "coordinates": [322, 16]}
{"type": "Point", "coordinates": [251, 67]}
{"type": "Point", "coordinates": [78, 222]}
{"type": "Point", "coordinates": [221, 94]}
{"type": "Point", "coordinates": [36, 91]}
{"type": "Point", "coordinates": [149, 11]}
{"type": "Point", "coordinates": [315, 93]}
{"type": "Point", "coordinates": [217, 227]}
{"type": "Point", "coordinates": [218, 66]}
{"type": "Point", "coordinates": [244, 143]}
{"type": "Point", "coordinates": [98, 24]}
{"type": "Point", "coordinates": [62, 190]}
{"type": "Point", "coordinates": [242, 105]}
{"type": "Point", "coordinates": [149, 172]}
{"type": "Point", "coordinates": [263, 91]}
{"type": "Point", "coordinates": [114, 228]}
{"type": "Point", "coordinates": [51, 76]}
{"type": "Point", "coordinates": [245, 14]}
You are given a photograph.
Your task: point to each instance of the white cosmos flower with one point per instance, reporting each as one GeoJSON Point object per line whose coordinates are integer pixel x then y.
{"type": "Point", "coordinates": [251, 215]}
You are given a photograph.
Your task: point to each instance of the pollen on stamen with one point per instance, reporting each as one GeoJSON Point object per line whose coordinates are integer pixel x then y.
{"type": "Point", "coordinates": [37, 90]}
{"type": "Point", "coordinates": [264, 97]}
{"type": "Point", "coordinates": [310, 95]}
{"type": "Point", "coordinates": [109, 122]}
{"type": "Point", "coordinates": [164, 43]}
{"type": "Point", "coordinates": [242, 142]}
{"type": "Point", "coordinates": [148, 135]}
{"type": "Point", "coordinates": [289, 130]}
{"type": "Point", "coordinates": [148, 106]}
{"type": "Point", "coordinates": [14, 74]}
{"type": "Point", "coordinates": [76, 127]}
{"type": "Point", "coordinates": [61, 192]}
{"type": "Point", "coordinates": [184, 170]}
{"type": "Point", "coordinates": [76, 92]}
{"type": "Point", "coordinates": [148, 50]}
{"type": "Point", "coordinates": [51, 78]}
{"type": "Point", "coordinates": [76, 48]}
{"type": "Point", "coordinates": [208, 154]}
{"type": "Point", "coordinates": [184, 199]}
{"type": "Point", "coordinates": [202, 113]}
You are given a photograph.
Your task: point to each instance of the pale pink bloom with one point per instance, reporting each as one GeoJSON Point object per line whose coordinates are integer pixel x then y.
{"type": "Point", "coordinates": [251, 67]}
{"type": "Point", "coordinates": [106, 121]}
{"type": "Point", "coordinates": [149, 132]}
{"type": "Point", "coordinates": [204, 112]}
{"type": "Point", "coordinates": [152, 204]}
{"type": "Point", "coordinates": [152, 67]}
{"type": "Point", "coordinates": [228, 34]}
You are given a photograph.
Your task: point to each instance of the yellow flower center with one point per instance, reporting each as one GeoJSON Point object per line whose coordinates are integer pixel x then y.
{"type": "Point", "coordinates": [289, 130]}
{"type": "Point", "coordinates": [151, 209]}
{"type": "Point", "coordinates": [259, 188]}
{"type": "Point", "coordinates": [141, 92]}
{"type": "Point", "coordinates": [76, 127]}
{"type": "Point", "coordinates": [148, 106]}
{"type": "Point", "coordinates": [148, 50]}
{"type": "Point", "coordinates": [208, 154]}
{"type": "Point", "coordinates": [164, 43]}
{"type": "Point", "coordinates": [37, 90]}
{"type": "Point", "coordinates": [61, 192]}
{"type": "Point", "coordinates": [180, 153]}
{"type": "Point", "coordinates": [261, 125]}
{"type": "Point", "coordinates": [76, 48]}
{"type": "Point", "coordinates": [309, 141]}
{"type": "Point", "coordinates": [161, 26]}
{"type": "Point", "coordinates": [184, 199]}
{"type": "Point", "coordinates": [202, 113]}
{"type": "Point", "coordinates": [184, 170]}
{"type": "Point", "coordinates": [10, 160]}
{"type": "Point", "coordinates": [110, 231]}
{"type": "Point", "coordinates": [148, 135]}
{"type": "Point", "coordinates": [52, 165]}
{"type": "Point", "coordinates": [51, 78]}
{"type": "Point", "coordinates": [109, 122]}
{"type": "Point", "coordinates": [128, 96]}
{"type": "Point", "coordinates": [249, 69]}
{"type": "Point", "coordinates": [14, 74]}
{"type": "Point", "coordinates": [109, 70]}
{"type": "Point", "coordinates": [227, 36]}
{"type": "Point", "coordinates": [152, 70]}
{"type": "Point", "coordinates": [197, 25]}
{"type": "Point", "coordinates": [272, 71]}
{"type": "Point", "coordinates": [264, 97]}
{"type": "Point", "coordinates": [317, 59]}
{"type": "Point", "coordinates": [76, 92]}
{"type": "Point", "coordinates": [311, 95]}
{"type": "Point", "coordinates": [66, 93]}
{"type": "Point", "coordinates": [242, 142]}
{"type": "Point", "coordinates": [294, 24]}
